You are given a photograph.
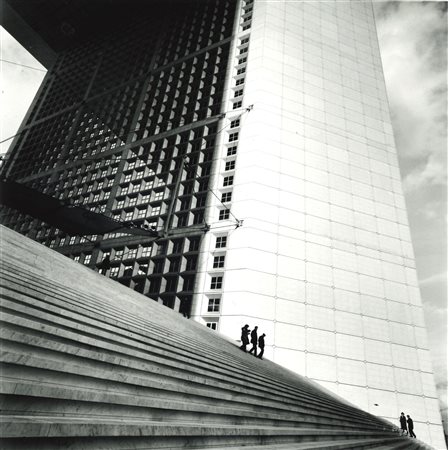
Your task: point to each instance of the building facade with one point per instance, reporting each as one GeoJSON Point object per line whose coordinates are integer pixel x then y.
{"type": "Point", "coordinates": [280, 112]}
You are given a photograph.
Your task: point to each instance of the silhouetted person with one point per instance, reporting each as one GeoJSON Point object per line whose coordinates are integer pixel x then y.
{"type": "Point", "coordinates": [104, 265]}
{"type": "Point", "coordinates": [254, 341]}
{"type": "Point", "coordinates": [261, 345]}
{"type": "Point", "coordinates": [411, 427]}
{"type": "Point", "coordinates": [184, 308]}
{"type": "Point", "coordinates": [404, 428]}
{"type": "Point", "coordinates": [244, 337]}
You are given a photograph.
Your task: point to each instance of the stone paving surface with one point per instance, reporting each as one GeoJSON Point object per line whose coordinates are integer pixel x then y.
{"type": "Point", "coordinates": [90, 364]}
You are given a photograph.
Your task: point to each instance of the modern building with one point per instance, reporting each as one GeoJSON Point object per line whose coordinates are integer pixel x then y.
{"type": "Point", "coordinates": [256, 137]}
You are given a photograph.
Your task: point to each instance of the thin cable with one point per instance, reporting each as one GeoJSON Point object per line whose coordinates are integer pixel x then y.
{"type": "Point", "coordinates": [238, 222]}
{"type": "Point", "coordinates": [22, 65]}
{"type": "Point", "coordinates": [118, 137]}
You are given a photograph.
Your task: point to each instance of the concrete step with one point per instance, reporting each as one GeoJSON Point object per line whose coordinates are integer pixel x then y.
{"type": "Point", "coordinates": [108, 387]}
{"type": "Point", "coordinates": [89, 364]}
{"type": "Point", "coordinates": [303, 400]}
{"type": "Point", "coordinates": [222, 354]}
{"type": "Point", "coordinates": [156, 432]}
{"type": "Point", "coordinates": [162, 377]}
{"type": "Point", "coordinates": [346, 444]}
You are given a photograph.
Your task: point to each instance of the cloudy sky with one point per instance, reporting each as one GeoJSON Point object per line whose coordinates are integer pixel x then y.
{"type": "Point", "coordinates": [413, 41]}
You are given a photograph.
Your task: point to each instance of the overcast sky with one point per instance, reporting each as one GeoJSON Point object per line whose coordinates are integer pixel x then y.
{"type": "Point", "coordinates": [413, 43]}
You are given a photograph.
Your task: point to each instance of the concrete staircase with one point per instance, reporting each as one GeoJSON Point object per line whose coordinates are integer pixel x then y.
{"type": "Point", "coordinates": [90, 364]}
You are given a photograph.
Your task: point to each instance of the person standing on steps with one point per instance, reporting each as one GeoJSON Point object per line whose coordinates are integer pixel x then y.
{"type": "Point", "coordinates": [244, 337]}
{"type": "Point", "coordinates": [261, 345]}
{"type": "Point", "coordinates": [404, 428]}
{"type": "Point", "coordinates": [411, 426]}
{"type": "Point", "coordinates": [254, 341]}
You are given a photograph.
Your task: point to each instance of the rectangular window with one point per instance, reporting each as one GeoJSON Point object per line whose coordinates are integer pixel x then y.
{"type": "Point", "coordinates": [132, 201]}
{"type": "Point", "coordinates": [131, 253]}
{"type": "Point", "coordinates": [226, 197]}
{"type": "Point", "coordinates": [233, 137]}
{"type": "Point", "coordinates": [114, 272]}
{"type": "Point", "coordinates": [155, 211]}
{"type": "Point", "coordinates": [214, 304]}
{"type": "Point", "coordinates": [146, 251]}
{"type": "Point", "coordinates": [129, 215]}
{"type": "Point", "coordinates": [224, 214]}
{"type": "Point", "coordinates": [218, 261]}
{"type": "Point", "coordinates": [212, 325]}
{"type": "Point", "coordinates": [230, 165]}
{"type": "Point", "coordinates": [148, 184]}
{"type": "Point", "coordinates": [141, 213]}
{"type": "Point", "coordinates": [228, 181]}
{"type": "Point", "coordinates": [216, 283]}
{"type": "Point", "coordinates": [243, 50]}
{"type": "Point", "coordinates": [87, 259]}
{"type": "Point", "coordinates": [240, 81]}
{"type": "Point", "coordinates": [158, 196]}
{"type": "Point", "coordinates": [237, 105]}
{"type": "Point", "coordinates": [244, 41]}
{"type": "Point", "coordinates": [238, 93]}
{"type": "Point", "coordinates": [221, 241]}
{"type": "Point", "coordinates": [241, 70]}
{"type": "Point", "coordinates": [235, 123]}
{"type": "Point", "coordinates": [231, 151]}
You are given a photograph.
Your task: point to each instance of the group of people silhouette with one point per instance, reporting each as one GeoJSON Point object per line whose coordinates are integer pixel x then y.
{"type": "Point", "coordinates": [257, 342]}
{"type": "Point", "coordinates": [407, 425]}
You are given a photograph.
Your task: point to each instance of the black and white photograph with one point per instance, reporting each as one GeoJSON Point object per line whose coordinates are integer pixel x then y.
{"type": "Point", "coordinates": [223, 224]}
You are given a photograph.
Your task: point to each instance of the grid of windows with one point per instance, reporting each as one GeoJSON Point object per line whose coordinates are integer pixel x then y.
{"type": "Point", "coordinates": [226, 197]}
{"type": "Point", "coordinates": [218, 261]}
{"type": "Point", "coordinates": [214, 304]}
{"type": "Point", "coordinates": [79, 155]}
{"type": "Point", "coordinates": [216, 283]}
{"type": "Point", "coordinates": [230, 165]}
{"type": "Point", "coordinates": [228, 181]}
{"type": "Point", "coordinates": [221, 241]}
{"type": "Point", "coordinates": [224, 214]}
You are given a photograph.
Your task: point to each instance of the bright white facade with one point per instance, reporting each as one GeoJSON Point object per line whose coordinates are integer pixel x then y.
{"type": "Point", "coordinates": [323, 263]}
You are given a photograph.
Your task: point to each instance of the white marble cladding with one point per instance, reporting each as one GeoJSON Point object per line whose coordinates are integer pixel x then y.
{"type": "Point", "coordinates": [324, 262]}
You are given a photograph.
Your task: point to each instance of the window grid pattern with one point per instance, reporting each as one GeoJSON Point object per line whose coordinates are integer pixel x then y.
{"type": "Point", "coordinates": [119, 154]}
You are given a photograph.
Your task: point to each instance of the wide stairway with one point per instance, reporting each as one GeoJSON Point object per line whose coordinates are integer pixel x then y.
{"type": "Point", "coordinates": [90, 364]}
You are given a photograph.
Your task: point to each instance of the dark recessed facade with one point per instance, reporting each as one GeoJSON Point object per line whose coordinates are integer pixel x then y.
{"type": "Point", "coordinates": [131, 93]}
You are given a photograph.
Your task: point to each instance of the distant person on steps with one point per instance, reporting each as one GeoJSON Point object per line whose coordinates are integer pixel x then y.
{"type": "Point", "coordinates": [261, 345]}
{"type": "Point", "coordinates": [411, 427]}
{"type": "Point", "coordinates": [244, 337]}
{"type": "Point", "coordinates": [254, 341]}
{"type": "Point", "coordinates": [403, 426]}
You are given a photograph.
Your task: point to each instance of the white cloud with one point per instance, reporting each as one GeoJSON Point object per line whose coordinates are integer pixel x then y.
{"type": "Point", "coordinates": [436, 278]}
{"type": "Point", "coordinates": [413, 48]}
{"type": "Point", "coordinates": [433, 172]}
{"type": "Point", "coordinates": [412, 37]}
